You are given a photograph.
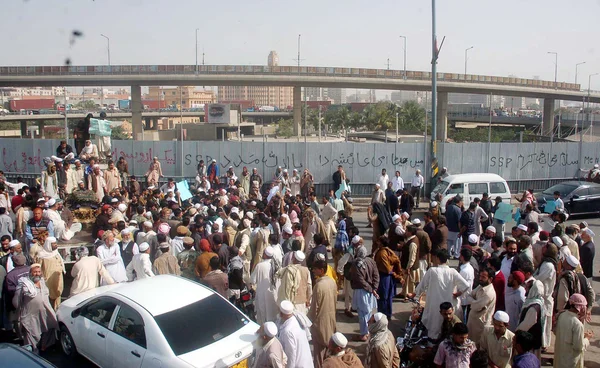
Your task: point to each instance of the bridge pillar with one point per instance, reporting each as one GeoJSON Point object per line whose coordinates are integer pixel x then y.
{"type": "Point", "coordinates": [41, 126]}
{"type": "Point", "coordinates": [24, 129]}
{"type": "Point", "coordinates": [442, 116]}
{"type": "Point", "coordinates": [147, 123]}
{"type": "Point", "coordinates": [297, 111]}
{"type": "Point", "coordinates": [136, 111]}
{"type": "Point", "coordinates": [548, 118]}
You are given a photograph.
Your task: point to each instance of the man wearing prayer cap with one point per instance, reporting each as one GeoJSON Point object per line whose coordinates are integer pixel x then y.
{"type": "Point", "coordinates": [571, 282]}
{"type": "Point", "coordinates": [269, 352]}
{"type": "Point", "coordinates": [322, 311]}
{"type": "Point", "coordinates": [127, 246]}
{"type": "Point", "coordinates": [496, 340]}
{"type": "Point", "coordinates": [340, 356]}
{"type": "Point", "coordinates": [187, 258]}
{"type": "Point", "coordinates": [87, 271]}
{"type": "Point", "coordinates": [587, 251]}
{"type": "Point", "coordinates": [293, 337]}
{"type": "Point", "coordinates": [296, 283]}
{"type": "Point", "coordinates": [166, 263]}
{"type": "Point", "coordinates": [140, 266]}
{"type": "Point", "coordinates": [266, 286]}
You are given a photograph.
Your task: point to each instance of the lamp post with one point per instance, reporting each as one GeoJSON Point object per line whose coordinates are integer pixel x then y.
{"type": "Point", "coordinates": [197, 29]}
{"type": "Point", "coordinates": [404, 37]}
{"type": "Point", "coordinates": [466, 57]}
{"type": "Point", "coordinates": [576, 66]}
{"type": "Point", "coordinates": [555, 67]}
{"type": "Point", "coordinates": [590, 84]}
{"type": "Point", "coordinates": [108, 47]}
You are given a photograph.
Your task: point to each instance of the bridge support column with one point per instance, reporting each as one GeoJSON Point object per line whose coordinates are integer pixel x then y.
{"type": "Point", "coordinates": [155, 123]}
{"type": "Point", "coordinates": [442, 116]}
{"type": "Point", "coordinates": [297, 111]}
{"type": "Point", "coordinates": [24, 129]}
{"type": "Point", "coordinates": [147, 124]}
{"type": "Point", "coordinates": [41, 126]}
{"type": "Point", "coordinates": [548, 118]}
{"type": "Point", "coordinates": [136, 112]}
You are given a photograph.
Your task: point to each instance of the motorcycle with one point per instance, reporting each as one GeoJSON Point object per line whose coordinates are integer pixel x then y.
{"type": "Point", "coordinates": [245, 302]}
{"type": "Point", "coordinates": [415, 348]}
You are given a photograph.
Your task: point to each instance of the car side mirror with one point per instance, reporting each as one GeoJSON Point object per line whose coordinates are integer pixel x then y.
{"type": "Point", "coordinates": [76, 313]}
{"type": "Point", "coordinates": [575, 196]}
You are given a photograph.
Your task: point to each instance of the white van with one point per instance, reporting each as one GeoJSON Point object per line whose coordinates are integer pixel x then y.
{"type": "Point", "coordinates": [471, 186]}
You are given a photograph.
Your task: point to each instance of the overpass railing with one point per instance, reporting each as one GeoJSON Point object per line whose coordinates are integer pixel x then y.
{"type": "Point", "coordinates": [278, 70]}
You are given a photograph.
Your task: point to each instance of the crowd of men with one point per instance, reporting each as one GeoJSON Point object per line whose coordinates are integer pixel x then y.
{"type": "Point", "coordinates": [275, 238]}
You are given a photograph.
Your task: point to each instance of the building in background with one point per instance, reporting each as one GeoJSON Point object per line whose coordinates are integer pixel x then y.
{"type": "Point", "coordinates": [400, 97]}
{"type": "Point", "coordinates": [186, 96]}
{"type": "Point", "coordinates": [280, 97]}
{"type": "Point", "coordinates": [316, 94]}
{"type": "Point", "coordinates": [338, 95]}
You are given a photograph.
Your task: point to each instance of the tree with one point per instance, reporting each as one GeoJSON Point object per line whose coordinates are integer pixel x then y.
{"type": "Point", "coordinates": [87, 104]}
{"type": "Point", "coordinates": [119, 133]}
{"type": "Point", "coordinates": [285, 128]}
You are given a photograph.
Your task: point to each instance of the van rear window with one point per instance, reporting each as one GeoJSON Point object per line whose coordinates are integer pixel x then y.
{"type": "Point", "coordinates": [498, 188]}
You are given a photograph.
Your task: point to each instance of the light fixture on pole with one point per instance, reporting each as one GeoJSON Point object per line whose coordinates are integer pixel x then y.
{"type": "Point", "coordinates": [555, 67]}
{"type": "Point", "coordinates": [404, 37]}
{"type": "Point", "coordinates": [590, 84]}
{"type": "Point", "coordinates": [466, 57]}
{"type": "Point", "coordinates": [108, 47]}
{"type": "Point", "coordinates": [197, 29]}
{"type": "Point", "coordinates": [576, 66]}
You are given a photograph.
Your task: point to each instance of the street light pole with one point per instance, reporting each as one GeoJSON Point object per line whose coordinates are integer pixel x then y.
{"type": "Point", "coordinates": [404, 37]}
{"type": "Point", "coordinates": [590, 84]}
{"type": "Point", "coordinates": [108, 48]}
{"type": "Point", "coordinates": [555, 67]}
{"type": "Point", "coordinates": [576, 66]}
{"type": "Point", "coordinates": [466, 51]}
{"type": "Point", "coordinates": [299, 52]}
{"type": "Point", "coordinates": [197, 29]}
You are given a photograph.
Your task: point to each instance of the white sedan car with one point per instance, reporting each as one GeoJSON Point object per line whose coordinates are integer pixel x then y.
{"type": "Point", "coordinates": [163, 321]}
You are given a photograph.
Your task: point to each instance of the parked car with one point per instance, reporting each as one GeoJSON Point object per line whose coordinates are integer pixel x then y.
{"type": "Point", "coordinates": [163, 321]}
{"type": "Point", "coordinates": [15, 356]}
{"type": "Point", "coordinates": [580, 197]}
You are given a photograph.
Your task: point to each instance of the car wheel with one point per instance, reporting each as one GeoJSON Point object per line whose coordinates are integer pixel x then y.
{"type": "Point", "coordinates": [66, 342]}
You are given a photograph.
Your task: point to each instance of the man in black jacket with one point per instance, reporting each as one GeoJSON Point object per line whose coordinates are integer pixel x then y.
{"type": "Point", "coordinates": [337, 177]}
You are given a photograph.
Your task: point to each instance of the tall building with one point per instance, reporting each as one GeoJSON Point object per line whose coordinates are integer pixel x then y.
{"type": "Point", "coordinates": [338, 95]}
{"type": "Point", "coordinates": [316, 93]}
{"type": "Point", "coordinates": [403, 96]}
{"type": "Point", "coordinates": [189, 97]}
{"type": "Point", "coordinates": [273, 59]}
{"type": "Point", "coordinates": [276, 96]}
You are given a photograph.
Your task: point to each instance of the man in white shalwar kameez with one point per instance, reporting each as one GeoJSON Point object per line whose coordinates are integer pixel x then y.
{"type": "Point", "coordinates": [270, 353]}
{"type": "Point", "coordinates": [442, 284]}
{"type": "Point", "coordinates": [265, 301]}
{"type": "Point", "coordinates": [110, 255]}
{"type": "Point", "coordinates": [60, 227]}
{"type": "Point", "coordinates": [140, 266]}
{"type": "Point", "coordinates": [293, 338]}
{"type": "Point", "coordinates": [96, 183]}
{"type": "Point", "coordinates": [546, 274]}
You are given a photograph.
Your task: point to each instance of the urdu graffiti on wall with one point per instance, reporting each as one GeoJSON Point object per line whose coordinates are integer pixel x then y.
{"type": "Point", "coordinates": [536, 160]}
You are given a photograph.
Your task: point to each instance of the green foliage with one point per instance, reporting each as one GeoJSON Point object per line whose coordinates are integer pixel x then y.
{"type": "Point", "coordinates": [285, 128]}
{"type": "Point", "coordinates": [119, 134]}
{"type": "Point", "coordinates": [88, 104]}
{"type": "Point", "coordinates": [480, 134]}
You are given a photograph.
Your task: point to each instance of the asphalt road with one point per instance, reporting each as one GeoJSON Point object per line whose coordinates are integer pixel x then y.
{"type": "Point", "coordinates": [401, 311]}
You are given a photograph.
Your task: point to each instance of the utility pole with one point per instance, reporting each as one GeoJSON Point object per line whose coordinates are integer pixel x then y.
{"type": "Point", "coordinates": [397, 127]}
{"type": "Point", "coordinates": [404, 37]}
{"type": "Point", "coordinates": [319, 123]}
{"type": "Point", "coordinates": [466, 57]}
{"type": "Point", "coordinates": [576, 66]}
{"type": "Point", "coordinates": [299, 52]}
{"type": "Point", "coordinates": [434, 57]}
{"type": "Point", "coordinates": [555, 67]}
{"type": "Point", "coordinates": [197, 29]}
{"type": "Point", "coordinates": [388, 63]}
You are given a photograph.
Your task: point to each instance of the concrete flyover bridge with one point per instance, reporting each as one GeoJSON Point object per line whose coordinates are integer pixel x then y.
{"type": "Point", "coordinates": [293, 76]}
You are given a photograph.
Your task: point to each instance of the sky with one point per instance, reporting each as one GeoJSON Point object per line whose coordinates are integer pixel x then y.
{"type": "Point", "coordinates": [509, 37]}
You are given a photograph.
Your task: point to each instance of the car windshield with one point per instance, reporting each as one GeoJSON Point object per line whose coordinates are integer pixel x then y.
{"type": "Point", "coordinates": [564, 189]}
{"type": "Point", "coordinates": [200, 324]}
{"type": "Point", "coordinates": [441, 187]}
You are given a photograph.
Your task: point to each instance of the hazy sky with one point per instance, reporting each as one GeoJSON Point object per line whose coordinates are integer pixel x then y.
{"type": "Point", "coordinates": [509, 36]}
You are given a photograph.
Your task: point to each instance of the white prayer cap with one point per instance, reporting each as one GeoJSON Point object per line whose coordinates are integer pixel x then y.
{"type": "Point", "coordinates": [114, 200]}
{"type": "Point", "coordinates": [377, 185]}
{"type": "Point", "coordinates": [473, 239]}
{"type": "Point", "coordinates": [51, 202]}
{"type": "Point", "coordinates": [54, 158]}
{"type": "Point", "coordinates": [405, 214]}
{"type": "Point", "coordinates": [557, 241]}
{"type": "Point", "coordinates": [287, 229]}
{"type": "Point", "coordinates": [501, 316]}
{"type": "Point", "coordinates": [143, 247]}
{"type": "Point", "coordinates": [395, 217]}
{"type": "Point", "coordinates": [285, 170]}
{"type": "Point", "coordinates": [147, 224]}
{"type": "Point", "coordinates": [339, 339]}
{"type": "Point", "coordinates": [377, 316]}
{"type": "Point", "coordinates": [51, 239]}
{"type": "Point", "coordinates": [434, 204]}
{"type": "Point", "coordinates": [491, 228]}
{"type": "Point", "coordinates": [270, 329]}
{"type": "Point", "coordinates": [125, 231]}
{"type": "Point", "coordinates": [299, 255]}
{"type": "Point", "coordinates": [416, 222]}
{"type": "Point", "coordinates": [250, 215]}
{"type": "Point", "coordinates": [596, 166]}
{"type": "Point", "coordinates": [522, 227]}
{"type": "Point", "coordinates": [588, 231]}
{"type": "Point", "coordinates": [286, 307]}
{"type": "Point", "coordinates": [151, 187]}
{"type": "Point", "coordinates": [80, 182]}
{"type": "Point", "coordinates": [133, 222]}
{"type": "Point", "coordinates": [399, 230]}
{"type": "Point", "coordinates": [96, 166]}
{"type": "Point", "coordinates": [77, 161]}
{"type": "Point", "coordinates": [253, 203]}
{"type": "Point", "coordinates": [571, 260]}
{"type": "Point", "coordinates": [235, 210]}
{"type": "Point", "coordinates": [355, 239]}
{"type": "Point", "coordinates": [269, 251]}
{"type": "Point", "coordinates": [213, 160]}
{"type": "Point", "coordinates": [320, 257]}
{"type": "Point", "coordinates": [148, 214]}
{"type": "Point", "coordinates": [13, 243]}
{"type": "Point", "coordinates": [122, 207]}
